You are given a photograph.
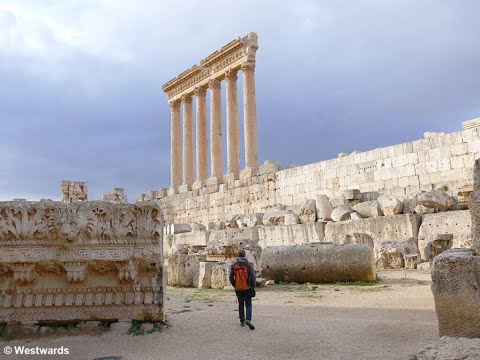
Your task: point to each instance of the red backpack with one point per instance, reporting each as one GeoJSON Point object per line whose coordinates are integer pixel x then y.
{"type": "Point", "coordinates": [240, 276]}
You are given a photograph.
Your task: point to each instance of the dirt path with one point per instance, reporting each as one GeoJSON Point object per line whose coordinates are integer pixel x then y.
{"type": "Point", "coordinates": [389, 320]}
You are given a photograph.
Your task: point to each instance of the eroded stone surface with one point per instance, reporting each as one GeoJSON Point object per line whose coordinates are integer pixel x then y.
{"type": "Point", "coordinates": [451, 348]}
{"type": "Point", "coordinates": [475, 208]}
{"type": "Point", "coordinates": [441, 231]}
{"type": "Point", "coordinates": [291, 234]}
{"type": "Point", "coordinates": [308, 212]}
{"type": "Point", "coordinates": [456, 290]}
{"type": "Point", "coordinates": [318, 263]}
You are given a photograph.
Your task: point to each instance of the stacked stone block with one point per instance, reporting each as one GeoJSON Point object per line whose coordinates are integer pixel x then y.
{"type": "Point", "coordinates": [116, 196]}
{"type": "Point", "coordinates": [74, 191]}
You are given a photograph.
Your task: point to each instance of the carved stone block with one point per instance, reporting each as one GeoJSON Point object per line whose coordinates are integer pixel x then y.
{"type": "Point", "coordinates": [83, 261]}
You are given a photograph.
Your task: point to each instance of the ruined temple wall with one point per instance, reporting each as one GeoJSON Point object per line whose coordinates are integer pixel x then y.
{"type": "Point", "coordinates": [245, 196]}
{"type": "Point", "coordinates": [439, 160]}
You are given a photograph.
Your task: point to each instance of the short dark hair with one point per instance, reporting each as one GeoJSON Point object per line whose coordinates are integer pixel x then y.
{"type": "Point", "coordinates": [241, 253]}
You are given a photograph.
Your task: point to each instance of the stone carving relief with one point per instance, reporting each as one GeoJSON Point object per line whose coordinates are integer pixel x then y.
{"type": "Point", "coordinates": [80, 254]}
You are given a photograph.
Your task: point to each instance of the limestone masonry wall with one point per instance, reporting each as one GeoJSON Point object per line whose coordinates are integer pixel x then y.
{"type": "Point", "coordinates": [437, 161]}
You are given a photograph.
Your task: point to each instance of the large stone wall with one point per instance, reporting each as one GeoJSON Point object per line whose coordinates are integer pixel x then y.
{"type": "Point", "coordinates": [437, 161]}
{"type": "Point", "coordinates": [82, 261]}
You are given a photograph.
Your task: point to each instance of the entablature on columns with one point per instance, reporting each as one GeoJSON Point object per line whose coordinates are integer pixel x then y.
{"type": "Point", "coordinates": [229, 57]}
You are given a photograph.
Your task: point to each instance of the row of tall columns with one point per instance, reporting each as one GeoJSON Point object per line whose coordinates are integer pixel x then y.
{"type": "Point", "coordinates": [200, 153]}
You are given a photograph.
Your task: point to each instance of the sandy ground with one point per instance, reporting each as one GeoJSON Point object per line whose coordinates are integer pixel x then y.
{"type": "Point", "coordinates": [389, 320]}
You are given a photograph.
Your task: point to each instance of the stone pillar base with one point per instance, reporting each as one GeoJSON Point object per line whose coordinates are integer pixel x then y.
{"type": "Point", "coordinates": [213, 184]}
{"type": "Point", "coordinates": [172, 191]}
{"type": "Point", "coordinates": [214, 181]}
{"type": "Point", "coordinates": [249, 172]}
{"type": "Point", "coordinates": [184, 188]}
{"type": "Point", "coordinates": [230, 178]}
{"type": "Point", "coordinates": [197, 185]}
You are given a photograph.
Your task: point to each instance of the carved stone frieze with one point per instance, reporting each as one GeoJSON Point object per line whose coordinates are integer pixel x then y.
{"type": "Point", "coordinates": [82, 255]}
{"type": "Point", "coordinates": [230, 56]}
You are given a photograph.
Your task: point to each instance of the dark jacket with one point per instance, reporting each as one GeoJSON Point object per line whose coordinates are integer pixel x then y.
{"type": "Point", "coordinates": [251, 272]}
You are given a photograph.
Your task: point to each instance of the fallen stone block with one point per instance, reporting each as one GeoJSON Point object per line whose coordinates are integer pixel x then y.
{"type": "Point", "coordinates": [390, 205]}
{"type": "Point", "coordinates": [183, 269]}
{"type": "Point", "coordinates": [220, 276]}
{"type": "Point", "coordinates": [437, 199]}
{"type": "Point", "coordinates": [324, 208]}
{"type": "Point", "coordinates": [341, 213]}
{"type": "Point", "coordinates": [390, 255]}
{"type": "Point", "coordinates": [308, 212]}
{"type": "Point", "coordinates": [280, 217]}
{"type": "Point", "coordinates": [204, 274]}
{"type": "Point", "coordinates": [441, 231]}
{"type": "Point", "coordinates": [368, 209]}
{"type": "Point", "coordinates": [456, 291]}
{"type": "Point", "coordinates": [321, 263]}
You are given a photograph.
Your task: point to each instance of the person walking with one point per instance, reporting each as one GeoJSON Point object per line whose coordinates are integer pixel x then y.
{"type": "Point", "coordinates": [242, 278]}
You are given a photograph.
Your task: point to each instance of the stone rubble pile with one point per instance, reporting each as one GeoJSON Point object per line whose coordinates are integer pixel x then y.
{"type": "Point", "coordinates": [400, 233]}
{"type": "Point", "coordinates": [116, 196]}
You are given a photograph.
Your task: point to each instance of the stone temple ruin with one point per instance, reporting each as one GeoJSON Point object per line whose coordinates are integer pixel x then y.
{"type": "Point", "coordinates": [403, 206]}
{"type": "Point", "coordinates": [407, 202]}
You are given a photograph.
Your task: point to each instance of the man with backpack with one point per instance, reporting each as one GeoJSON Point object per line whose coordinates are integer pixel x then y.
{"type": "Point", "coordinates": [242, 278]}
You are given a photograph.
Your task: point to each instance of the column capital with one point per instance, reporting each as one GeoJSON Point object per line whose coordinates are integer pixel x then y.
{"type": "Point", "coordinates": [200, 91]}
{"type": "Point", "coordinates": [174, 104]}
{"type": "Point", "coordinates": [214, 84]}
{"type": "Point", "coordinates": [231, 75]}
{"type": "Point", "coordinates": [248, 66]}
{"type": "Point", "coordinates": [187, 98]}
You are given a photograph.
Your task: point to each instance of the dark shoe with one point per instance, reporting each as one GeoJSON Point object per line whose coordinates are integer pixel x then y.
{"type": "Point", "coordinates": [242, 324]}
{"type": "Point", "coordinates": [250, 325]}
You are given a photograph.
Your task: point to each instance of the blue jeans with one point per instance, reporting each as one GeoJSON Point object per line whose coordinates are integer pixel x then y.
{"type": "Point", "coordinates": [244, 301]}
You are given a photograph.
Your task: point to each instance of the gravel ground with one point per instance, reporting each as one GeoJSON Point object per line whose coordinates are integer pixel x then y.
{"type": "Point", "coordinates": [389, 320]}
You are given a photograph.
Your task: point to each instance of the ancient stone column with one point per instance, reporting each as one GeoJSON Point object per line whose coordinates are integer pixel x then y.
{"type": "Point", "coordinates": [216, 129]}
{"type": "Point", "coordinates": [250, 117]}
{"type": "Point", "coordinates": [188, 151]}
{"type": "Point", "coordinates": [201, 135]}
{"type": "Point", "coordinates": [176, 145]}
{"type": "Point", "coordinates": [233, 127]}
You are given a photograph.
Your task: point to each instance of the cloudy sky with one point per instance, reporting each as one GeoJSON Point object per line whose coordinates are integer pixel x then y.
{"type": "Point", "coordinates": [80, 81]}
